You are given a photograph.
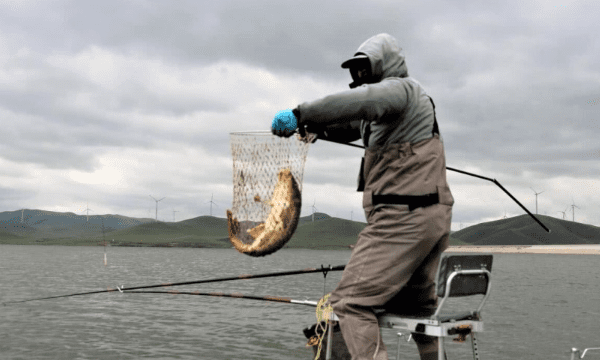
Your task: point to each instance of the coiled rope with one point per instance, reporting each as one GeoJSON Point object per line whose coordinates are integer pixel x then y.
{"type": "Point", "coordinates": [324, 312]}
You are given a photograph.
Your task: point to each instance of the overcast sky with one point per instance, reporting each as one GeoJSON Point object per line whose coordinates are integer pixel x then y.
{"type": "Point", "coordinates": [107, 102]}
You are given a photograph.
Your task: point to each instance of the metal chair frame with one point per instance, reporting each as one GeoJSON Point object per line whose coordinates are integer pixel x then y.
{"type": "Point", "coordinates": [442, 324]}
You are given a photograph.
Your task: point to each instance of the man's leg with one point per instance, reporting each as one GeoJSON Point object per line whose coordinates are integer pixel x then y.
{"type": "Point", "coordinates": [428, 346]}
{"type": "Point", "coordinates": [361, 332]}
{"type": "Point", "coordinates": [388, 252]}
{"type": "Point", "coordinates": [419, 297]}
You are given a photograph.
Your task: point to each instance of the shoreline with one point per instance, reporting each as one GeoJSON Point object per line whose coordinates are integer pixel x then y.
{"type": "Point", "coordinates": [587, 249]}
{"type": "Point", "coordinates": [576, 249]}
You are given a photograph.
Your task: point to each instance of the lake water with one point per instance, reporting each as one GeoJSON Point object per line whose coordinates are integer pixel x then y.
{"type": "Point", "coordinates": [541, 305]}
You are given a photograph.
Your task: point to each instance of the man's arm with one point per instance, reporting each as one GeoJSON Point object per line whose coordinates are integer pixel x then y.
{"type": "Point", "coordinates": [344, 133]}
{"type": "Point", "coordinates": [372, 102]}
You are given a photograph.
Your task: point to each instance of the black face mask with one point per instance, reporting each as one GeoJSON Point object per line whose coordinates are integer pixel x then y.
{"type": "Point", "coordinates": [360, 76]}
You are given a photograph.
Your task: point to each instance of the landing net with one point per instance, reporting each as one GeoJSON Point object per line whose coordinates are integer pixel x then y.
{"type": "Point", "coordinates": [267, 186]}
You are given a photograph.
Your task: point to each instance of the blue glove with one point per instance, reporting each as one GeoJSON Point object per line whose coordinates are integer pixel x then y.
{"type": "Point", "coordinates": [284, 123]}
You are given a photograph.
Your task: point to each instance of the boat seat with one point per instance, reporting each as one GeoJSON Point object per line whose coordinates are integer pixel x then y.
{"type": "Point", "coordinates": [458, 276]}
{"type": "Point", "coordinates": [442, 317]}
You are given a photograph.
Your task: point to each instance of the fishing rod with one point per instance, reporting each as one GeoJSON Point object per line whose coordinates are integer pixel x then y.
{"type": "Point", "coordinates": [470, 174]}
{"type": "Point", "coordinates": [323, 269]}
{"type": "Point", "coordinates": [279, 299]}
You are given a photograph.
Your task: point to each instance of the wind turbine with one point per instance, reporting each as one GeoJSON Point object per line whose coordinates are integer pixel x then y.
{"type": "Point", "coordinates": [573, 208]}
{"type": "Point", "coordinates": [536, 194]}
{"type": "Point", "coordinates": [174, 211]}
{"type": "Point", "coordinates": [564, 213]}
{"type": "Point", "coordinates": [156, 206]}
{"type": "Point", "coordinates": [87, 211]}
{"type": "Point", "coordinates": [314, 209]}
{"type": "Point", "coordinates": [211, 203]}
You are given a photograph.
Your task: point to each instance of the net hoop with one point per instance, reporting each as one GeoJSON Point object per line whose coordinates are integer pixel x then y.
{"type": "Point", "coordinates": [262, 162]}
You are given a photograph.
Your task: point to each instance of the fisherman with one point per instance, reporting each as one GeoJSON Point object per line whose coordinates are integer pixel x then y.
{"type": "Point", "coordinates": [407, 201]}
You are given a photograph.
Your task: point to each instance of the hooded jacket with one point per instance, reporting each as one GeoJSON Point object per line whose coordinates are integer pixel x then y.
{"type": "Point", "coordinates": [395, 109]}
{"type": "Point", "coordinates": [396, 120]}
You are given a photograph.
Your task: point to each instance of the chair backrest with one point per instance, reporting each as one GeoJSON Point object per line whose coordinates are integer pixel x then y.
{"type": "Point", "coordinates": [464, 284]}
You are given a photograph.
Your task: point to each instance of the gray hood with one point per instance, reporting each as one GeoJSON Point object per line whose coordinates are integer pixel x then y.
{"type": "Point", "coordinates": [390, 110]}
{"type": "Point", "coordinates": [386, 57]}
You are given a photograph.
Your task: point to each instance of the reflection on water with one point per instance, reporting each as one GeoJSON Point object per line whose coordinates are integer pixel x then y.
{"type": "Point", "coordinates": [540, 306]}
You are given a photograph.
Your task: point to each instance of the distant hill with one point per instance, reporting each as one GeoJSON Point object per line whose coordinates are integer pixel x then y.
{"type": "Point", "coordinates": [41, 226]}
{"type": "Point", "coordinates": [203, 231]}
{"type": "Point", "coordinates": [5, 235]}
{"type": "Point", "coordinates": [523, 230]}
{"type": "Point", "coordinates": [318, 216]}
{"type": "Point", "coordinates": [325, 232]}
{"type": "Point", "coordinates": [42, 218]}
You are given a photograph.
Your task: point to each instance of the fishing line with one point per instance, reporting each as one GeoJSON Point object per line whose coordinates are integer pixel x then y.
{"type": "Point", "coordinates": [325, 271]}
{"type": "Point", "coordinates": [239, 277]}
{"type": "Point", "coordinates": [470, 174]}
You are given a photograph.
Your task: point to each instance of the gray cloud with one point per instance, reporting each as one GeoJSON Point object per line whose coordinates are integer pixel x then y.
{"type": "Point", "coordinates": [514, 84]}
{"type": "Point", "coordinates": [302, 36]}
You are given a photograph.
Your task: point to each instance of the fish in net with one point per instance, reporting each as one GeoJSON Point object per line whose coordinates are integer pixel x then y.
{"type": "Point", "coordinates": [267, 187]}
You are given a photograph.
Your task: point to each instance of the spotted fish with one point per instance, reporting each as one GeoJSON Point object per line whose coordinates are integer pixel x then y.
{"type": "Point", "coordinates": [280, 224]}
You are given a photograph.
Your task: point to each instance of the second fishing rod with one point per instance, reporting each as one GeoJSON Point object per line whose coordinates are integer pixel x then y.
{"type": "Point", "coordinates": [323, 269]}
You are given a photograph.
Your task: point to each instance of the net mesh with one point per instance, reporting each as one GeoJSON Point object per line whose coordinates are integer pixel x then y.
{"type": "Point", "coordinates": [267, 186]}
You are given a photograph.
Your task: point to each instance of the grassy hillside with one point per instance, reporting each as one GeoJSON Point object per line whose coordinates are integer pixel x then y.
{"type": "Point", "coordinates": [523, 230]}
{"type": "Point", "coordinates": [17, 229]}
{"type": "Point", "coordinates": [41, 226]}
{"type": "Point", "coordinates": [203, 231]}
{"type": "Point", "coordinates": [9, 238]}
